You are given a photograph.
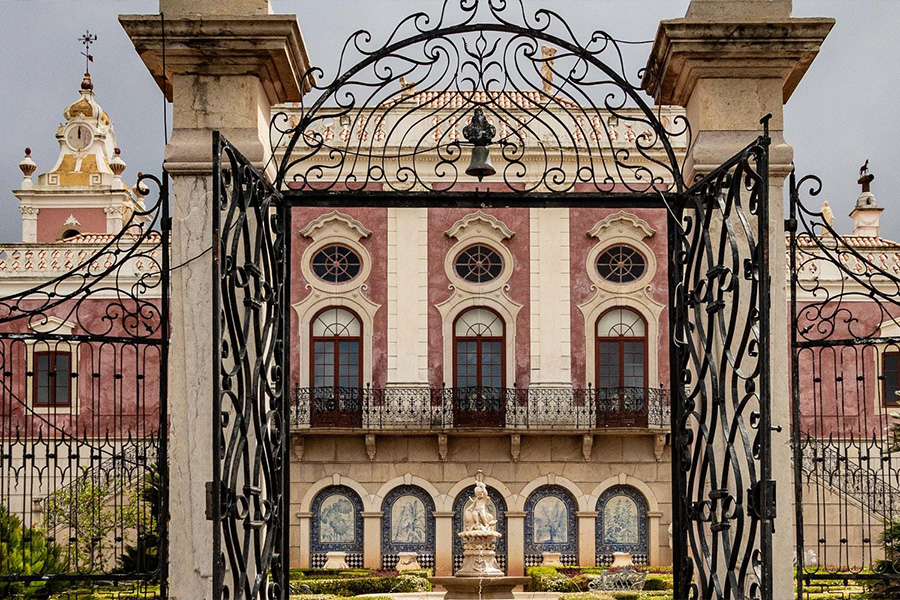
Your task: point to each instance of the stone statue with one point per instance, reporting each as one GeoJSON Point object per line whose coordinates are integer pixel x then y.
{"type": "Point", "coordinates": [477, 516]}
{"type": "Point", "coordinates": [828, 215]}
{"type": "Point", "coordinates": [547, 68]}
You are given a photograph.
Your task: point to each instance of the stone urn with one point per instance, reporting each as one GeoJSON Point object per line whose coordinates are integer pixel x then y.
{"type": "Point", "coordinates": [408, 561]}
{"type": "Point", "coordinates": [336, 560]}
{"type": "Point", "coordinates": [551, 559]}
{"type": "Point", "coordinates": [622, 559]}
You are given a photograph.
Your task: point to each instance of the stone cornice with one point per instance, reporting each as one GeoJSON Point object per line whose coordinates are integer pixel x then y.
{"type": "Point", "coordinates": [268, 46]}
{"type": "Point", "coordinates": [686, 50]}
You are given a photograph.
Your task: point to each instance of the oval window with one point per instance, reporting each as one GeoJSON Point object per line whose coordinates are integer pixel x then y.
{"type": "Point", "coordinates": [479, 264]}
{"type": "Point", "coordinates": [621, 264]}
{"type": "Point", "coordinates": [336, 264]}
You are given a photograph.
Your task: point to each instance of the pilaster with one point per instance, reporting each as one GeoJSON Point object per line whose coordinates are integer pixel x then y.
{"type": "Point", "coordinates": [303, 520]}
{"type": "Point", "coordinates": [443, 536]}
{"type": "Point", "coordinates": [371, 539]}
{"type": "Point", "coordinates": [515, 543]}
{"type": "Point", "coordinates": [587, 537]}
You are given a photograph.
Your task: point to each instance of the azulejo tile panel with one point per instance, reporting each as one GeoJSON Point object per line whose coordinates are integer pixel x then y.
{"type": "Point", "coordinates": [407, 524]}
{"type": "Point", "coordinates": [550, 523]}
{"type": "Point", "coordinates": [622, 524]}
{"type": "Point", "coordinates": [337, 523]}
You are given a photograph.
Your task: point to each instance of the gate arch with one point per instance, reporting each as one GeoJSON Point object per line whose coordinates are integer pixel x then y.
{"type": "Point", "coordinates": [406, 103]}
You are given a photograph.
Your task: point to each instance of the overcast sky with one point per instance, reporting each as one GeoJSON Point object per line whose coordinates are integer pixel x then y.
{"type": "Point", "coordinates": [844, 112]}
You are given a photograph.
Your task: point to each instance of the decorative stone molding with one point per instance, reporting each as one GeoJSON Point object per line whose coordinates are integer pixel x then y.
{"type": "Point", "coordinates": [462, 228]}
{"type": "Point", "coordinates": [587, 445]}
{"type": "Point", "coordinates": [336, 228]}
{"type": "Point", "coordinates": [370, 446]}
{"type": "Point", "coordinates": [622, 228]}
{"type": "Point", "coordinates": [442, 446]}
{"type": "Point", "coordinates": [335, 224]}
{"type": "Point", "coordinates": [659, 445]}
{"type": "Point", "coordinates": [306, 501]}
{"type": "Point", "coordinates": [515, 446]}
{"type": "Point", "coordinates": [52, 325]}
{"type": "Point", "coordinates": [622, 217]}
{"type": "Point", "coordinates": [517, 503]}
{"type": "Point", "coordinates": [479, 228]}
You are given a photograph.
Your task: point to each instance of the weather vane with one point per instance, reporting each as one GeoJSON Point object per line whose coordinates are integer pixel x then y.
{"type": "Point", "coordinates": [87, 39]}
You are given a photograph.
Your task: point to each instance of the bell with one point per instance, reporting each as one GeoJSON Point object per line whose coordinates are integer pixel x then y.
{"type": "Point", "coordinates": [480, 166]}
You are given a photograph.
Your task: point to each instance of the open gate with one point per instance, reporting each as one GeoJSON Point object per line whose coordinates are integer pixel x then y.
{"type": "Point", "coordinates": [250, 488]}
{"type": "Point", "coordinates": [390, 131]}
{"type": "Point", "coordinates": [845, 341]}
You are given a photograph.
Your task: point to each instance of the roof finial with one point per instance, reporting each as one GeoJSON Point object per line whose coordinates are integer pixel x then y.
{"type": "Point", "coordinates": [87, 39]}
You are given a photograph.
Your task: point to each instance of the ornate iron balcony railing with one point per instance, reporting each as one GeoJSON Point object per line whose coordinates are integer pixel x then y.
{"type": "Point", "coordinates": [493, 408]}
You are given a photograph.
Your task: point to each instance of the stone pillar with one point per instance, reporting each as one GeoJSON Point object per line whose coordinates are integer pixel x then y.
{"type": "Point", "coordinates": [515, 543]}
{"type": "Point", "coordinates": [227, 62]}
{"type": "Point", "coordinates": [729, 63]}
{"type": "Point", "coordinates": [372, 539]}
{"type": "Point", "coordinates": [443, 542]}
{"type": "Point", "coordinates": [551, 348]}
{"type": "Point", "coordinates": [587, 537]}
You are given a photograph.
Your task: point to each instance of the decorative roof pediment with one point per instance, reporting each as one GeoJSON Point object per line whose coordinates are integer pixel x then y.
{"type": "Point", "coordinates": [335, 223]}
{"type": "Point", "coordinates": [622, 218]}
{"type": "Point", "coordinates": [481, 223]}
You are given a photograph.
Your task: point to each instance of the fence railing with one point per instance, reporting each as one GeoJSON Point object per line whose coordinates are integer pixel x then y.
{"type": "Point", "coordinates": [492, 408]}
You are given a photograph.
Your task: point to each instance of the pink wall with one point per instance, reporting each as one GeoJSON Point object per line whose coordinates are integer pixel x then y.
{"type": "Point", "coordinates": [51, 221]}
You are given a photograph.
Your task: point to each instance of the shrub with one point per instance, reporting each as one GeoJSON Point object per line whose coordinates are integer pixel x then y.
{"type": "Point", "coordinates": [626, 595]}
{"type": "Point", "coordinates": [890, 538]}
{"type": "Point", "coordinates": [658, 582]}
{"type": "Point", "coordinates": [143, 555]}
{"type": "Point", "coordinates": [26, 551]}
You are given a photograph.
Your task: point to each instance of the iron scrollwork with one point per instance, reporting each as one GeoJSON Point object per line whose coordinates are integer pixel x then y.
{"type": "Point", "coordinates": [251, 431]}
{"type": "Point", "coordinates": [566, 116]}
{"type": "Point", "coordinates": [83, 438]}
{"type": "Point", "coordinates": [722, 492]}
{"type": "Point", "coordinates": [845, 315]}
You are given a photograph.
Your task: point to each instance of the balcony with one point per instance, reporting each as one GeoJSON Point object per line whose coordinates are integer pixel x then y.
{"type": "Point", "coordinates": [419, 408]}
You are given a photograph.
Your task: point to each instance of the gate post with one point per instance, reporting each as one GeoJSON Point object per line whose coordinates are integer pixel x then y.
{"type": "Point", "coordinates": [226, 63]}
{"type": "Point", "coordinates": [730, 63]}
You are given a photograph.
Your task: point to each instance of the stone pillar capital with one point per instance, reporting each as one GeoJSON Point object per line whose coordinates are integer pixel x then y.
{"type": "Point", "coordinates": [372, 514]}
{"type": "Point", "coordinates": [689, 49]}
{"type": "Point", "coordinates": [269, 47]}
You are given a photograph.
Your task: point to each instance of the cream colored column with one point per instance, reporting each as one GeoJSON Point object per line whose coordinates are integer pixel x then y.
{"type": "Point", "coordinates": [653, 536]}
{"type": "Point", "coordinates": [551, 364]}
{"type": "Point", "coordinates": [372, 539]}
{"type": "Point", "coordinates": [515, 543]}
{"type": "Point", "coordinates": [587, 537]}
{"type": "Point", "coordinates": [407, 279]}
{"type": "Point", "coordinates": [730, 63]}
{"type": "Point", "coordinates": [443, 539]}
{"type": "Point", "coordinates": [304, 519]}
{"type": "Point", "coordinates": [223, 73]}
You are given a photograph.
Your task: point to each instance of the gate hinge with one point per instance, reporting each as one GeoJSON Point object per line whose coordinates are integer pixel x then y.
{"type": "Point", "coordinates": [790, 225]}
{"type": "Point", "coordinates": [167, 224]}
{"type": "Point", "coordinates": [210, 500]}
{"type": "Point", "coordinates": [764, 509]}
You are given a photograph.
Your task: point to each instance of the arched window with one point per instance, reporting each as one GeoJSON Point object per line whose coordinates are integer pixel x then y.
{"type": "Point", "coordinates": [336, 374]}
{"type": "Point", "coordinates": [407, 526]}
{"type": "Point", "coordinates": [550, 525]}
{"type": "Point", "coordinates": [500, 545]}
{"type": "Point", "coordinates": [479, 368]}
{"type": "Point", "coordinates": [622, 525]}
{"type": "Point", "coordinates": [336, 526]}
{"type": "Point", "coordinates": [621, 368]}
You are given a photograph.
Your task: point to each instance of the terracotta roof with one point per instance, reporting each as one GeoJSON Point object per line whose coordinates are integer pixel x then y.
{"type": "Point", "coordinates": [854, 241]}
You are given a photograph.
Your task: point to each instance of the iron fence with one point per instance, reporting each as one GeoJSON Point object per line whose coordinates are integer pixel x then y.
{"type": "Point", "coordinates": [429, 408]}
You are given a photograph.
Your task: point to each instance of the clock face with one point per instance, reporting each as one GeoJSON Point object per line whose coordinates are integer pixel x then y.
{"type": "Point", "coordinates": [79, 137]}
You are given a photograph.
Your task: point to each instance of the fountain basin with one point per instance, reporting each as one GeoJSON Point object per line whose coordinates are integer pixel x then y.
{"type": "Point", "coordinates": [473, 588]}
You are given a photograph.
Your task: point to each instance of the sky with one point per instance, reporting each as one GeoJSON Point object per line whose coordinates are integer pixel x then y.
{"type": "Point", "coordinates": [844, 112]}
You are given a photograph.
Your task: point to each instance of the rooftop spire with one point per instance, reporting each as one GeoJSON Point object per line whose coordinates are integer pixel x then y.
{"type": "Point", "coordinates": [866, 214]}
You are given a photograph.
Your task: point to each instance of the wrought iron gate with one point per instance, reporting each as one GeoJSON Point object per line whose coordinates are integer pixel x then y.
{"type": "Point", "coordinates": [83, 421]}
{"type": "Point", "coordinates": [845, 339]}
{"type": "Point", "coordinates": [722, 494]}
{"type": "Point", "coordinates": [250, 380]}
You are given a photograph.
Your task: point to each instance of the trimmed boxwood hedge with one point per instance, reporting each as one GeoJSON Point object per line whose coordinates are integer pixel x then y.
{"type": "Point", "coordinates": [410, 581]}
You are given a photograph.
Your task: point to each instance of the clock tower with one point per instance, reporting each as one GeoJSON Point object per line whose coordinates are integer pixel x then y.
{"type": "Point", "coordinates": [83, 192]}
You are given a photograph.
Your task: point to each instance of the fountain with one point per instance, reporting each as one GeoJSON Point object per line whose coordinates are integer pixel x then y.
{"type": "Point", "coordinates": [479, 577]}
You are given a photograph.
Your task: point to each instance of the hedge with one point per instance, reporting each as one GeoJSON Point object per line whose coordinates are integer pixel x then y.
{"type": "Point", "coordinates": [405, 583]}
